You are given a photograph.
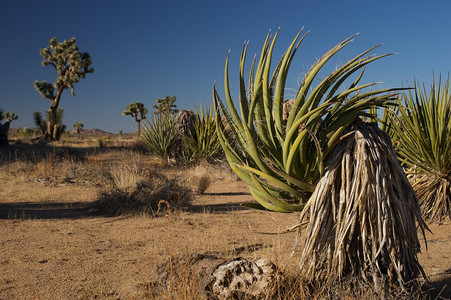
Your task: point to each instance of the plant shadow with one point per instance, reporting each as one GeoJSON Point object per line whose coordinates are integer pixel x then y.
{"type": "Point", "coordinates": [439, 288]}
{"type": "Point", "coordinates": [219, 208]}
{"type": "Point", "coordinates": [46, 211]}
{"type": "Point", "coordinates": [83, 210]}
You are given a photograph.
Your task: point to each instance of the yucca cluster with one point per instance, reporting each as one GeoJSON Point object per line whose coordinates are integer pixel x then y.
{"type": "Point", "coordinates": [182, 136]}
{"type": "Point", "coordinates": [282, 160]}
{"type": "Point", "coordinates": [359, 213]}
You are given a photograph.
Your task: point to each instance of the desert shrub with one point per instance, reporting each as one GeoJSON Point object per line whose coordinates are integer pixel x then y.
{"type": "Point", "coordinates": [199, 183]}
{"type": "Point", "coordinates": [26, 133]}
{"type": "Point", "coordinates": [144, 197]}
{"type": "Point", "coordinates": [104, 141]}
{"type": "Point", "coordinates": [126, 177]}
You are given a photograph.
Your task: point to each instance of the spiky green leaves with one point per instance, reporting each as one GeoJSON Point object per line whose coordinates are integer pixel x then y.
{"type": "Point", "coordinates": [160, 135]}
{"type": "Point", "coordinates": [283, 159]}
{"type": "Point", "coordinates": [45, 89]}
{"type": "Point", "coordinates": [421, 129]}
{"type": "Point", "coordinates": [202, 141]}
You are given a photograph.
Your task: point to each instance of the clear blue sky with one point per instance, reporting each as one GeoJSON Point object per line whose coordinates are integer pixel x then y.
{"type": "Point", "coordinates": [142, 50]}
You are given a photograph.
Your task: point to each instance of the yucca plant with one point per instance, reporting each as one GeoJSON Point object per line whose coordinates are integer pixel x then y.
{"type": "Point", "coordinates": [325, 158]}
{"type": "Point", "coordinates": [160, 136]}
{"type": "Point", "coordinates": [421, 129]}
{"type": "Point", "coordinates": [283, 160]}
{"type": "Point", "coordinates": [202, 142]}
{"type": "Point", "coordinates": [55, 119]}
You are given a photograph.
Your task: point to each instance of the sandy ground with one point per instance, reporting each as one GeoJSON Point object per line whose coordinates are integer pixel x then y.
{"type": "Point", "coordinates": [54, 249]}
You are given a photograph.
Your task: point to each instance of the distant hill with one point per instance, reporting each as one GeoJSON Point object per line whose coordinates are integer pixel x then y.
{"type": "Point", "coordinates": [94, 131]}
{"type": "Point", "coordinates": [99, 132]}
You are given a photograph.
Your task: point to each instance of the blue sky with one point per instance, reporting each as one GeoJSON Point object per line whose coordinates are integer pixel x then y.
{"type": "Point", "coordinates": [142, 50]}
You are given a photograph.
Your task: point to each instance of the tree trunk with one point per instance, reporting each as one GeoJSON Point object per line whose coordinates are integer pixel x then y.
{"type": "Point", "coordinates": [363, 216]}
{"type": "Point", "coordinates": [56, 135]}
{"type": "Point", "coordinates": [139, 129]}
{"type": "Point", "coordinates": [4, 134]}
{"type": "Point", "coordinates": [51, 132]}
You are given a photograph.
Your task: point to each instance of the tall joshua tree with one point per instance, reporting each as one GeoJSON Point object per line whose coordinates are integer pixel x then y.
{"type": "Point", "coordinates": [71, 65]}
{"type": "Point", "coordinates": [138, 112]}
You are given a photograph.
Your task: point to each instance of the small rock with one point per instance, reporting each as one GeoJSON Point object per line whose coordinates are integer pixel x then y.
{"type": "Point", "coordinates": [240, 278]}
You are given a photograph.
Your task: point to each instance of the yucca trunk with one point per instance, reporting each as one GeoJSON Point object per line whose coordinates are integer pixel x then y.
{"type": "Point", "coordinates": [362, 216]}
{"type": "Point", "coordinates": [435, 194]}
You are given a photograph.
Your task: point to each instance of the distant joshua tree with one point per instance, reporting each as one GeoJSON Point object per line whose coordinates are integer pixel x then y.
{"type": "Point", "coordinates": [165, 106]}
{"type": "Point", "coordinates": [70, 65]}
{"type": "Point", "coordinates": [138, 112]}
{"type": "Point", "coordinates": [78, 126]}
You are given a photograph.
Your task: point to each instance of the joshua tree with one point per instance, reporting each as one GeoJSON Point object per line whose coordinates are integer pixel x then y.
{"type": "Point", "coordinates": [56, 119]}
{"type": "Point", "coordinates": [138, 112]}
{"type": "Point", "coordinates": [4, 128]}
{"type": "Point", "coordinates": [358, 211]}
{"type": "Point", "coordinates": [71, 65]}
{"type": "Point", "coordinates": [78, 126]}
{"type": "Point", "coordinates": [165, 105]}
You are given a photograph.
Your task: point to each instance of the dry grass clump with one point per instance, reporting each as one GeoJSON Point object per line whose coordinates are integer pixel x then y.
{"type": "Point", "coordinates": [203, 174]}
{"type": "Point", "coordinates": [200, 178]}
{"type": "Point", "coordinates": [292, 287]}
{"type": "Point", "coordinates": [200, 183]}
{"type": "Point", "coordinates": [126, 175]}
{"type": "Point", "coordinates": [142, 197]}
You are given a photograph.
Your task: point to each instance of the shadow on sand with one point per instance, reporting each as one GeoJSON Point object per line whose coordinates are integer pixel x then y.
{"type": "Point", "coordinates": [82, 210]}
{"type": "Point", "coordinates": [439, 288]}
{"type": "Point", "coordinates": [46, 211]}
